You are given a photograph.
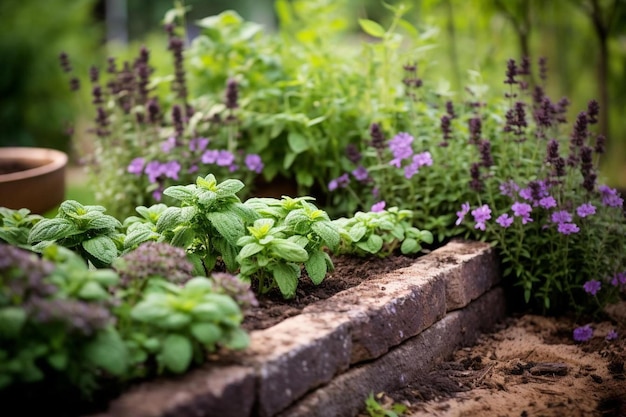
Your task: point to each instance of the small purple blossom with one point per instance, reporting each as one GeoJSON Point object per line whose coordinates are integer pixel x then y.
{"type": "Point", "coordinates": [505, 220]}
{"type": "Point", "coordinates": [611, 335]}
{"type": "Point", "coordinates": [509, 188]}
{"type": "Point", "coordinates": [582, 334]}
{"type": "Point", "coordinates": [585, 210]}
{"type": "Point", "coordinates": [610, 198]}
{"type": "Point", "coordinates": [561, 217]}
{"type": "Point", "coordinates": [378, 207]}
{"type": "Point", "coordinates": [171, 169]}
{"type": "Point", "coordinates": [153, 171]}
{"type": "Point", "coordinates": [465, 208]}
{"type": "Point", "coordinates": [419, 160]}
{"type": "Point", "coordinates": [526, 194]}
{"type": "Point", "coordinates": [225, 158]}
{"type": "Point", "coordinates": [136, 166]}
{"type": "Point", "coordinates": [568, 228]}
{"type": "Point", "coordinates": [198, 144]}
{"type": "Point", "coordinates": [547, 202]}
{"type": "Point", "coordinates": [210, 156]}
{"type": "Point", "coordinates": [254, 163]}
{"type": "Point", "coordinates": [400, 146]}
{"type": "Point", "coordinates": [168, 144]}
{"type": "Point", "coordinates": [522, 210]}
{"type": "Point", "coordinates": [618, 279]}
{"type": "Point", "coordinates": [481, 215]}
{"type": "Point", "coordinates": [592, 286]}
{"type": "Point", "coordinates": [340, 182]}
{"type": "Point", "coordinates": [360, 173]}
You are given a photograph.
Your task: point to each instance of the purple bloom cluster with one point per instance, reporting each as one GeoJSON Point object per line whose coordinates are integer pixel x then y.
{"type": "Point", "coordinates": [610, 196]}
{"type": "Point", "coordinates": [522, 210]}
{"type": "Point", "coordinates": [505, 220]}
{"type": "Point", "coordinates": [419, 160]}
{"type": "Point", "coordinates": [583, 333]}
{"type": "Point", "coordinates": [481, 215]}
{"type": "Point", "coordinates": [378, 207]}
{"type": "Point", "coordinates": [619, 279]}
{"type": "Point", "coordinates": [465, 208]}
{"type": "Point", "coordinates": [340, 182]}
{"type": "Point", "coordinates": [236, 288]}
{"type": "Point", "coordinates": [401, 149]}
{"type": "Point", "coordinates": [592, 286]}
{"type": "Point", "coordinates": [77, 316]}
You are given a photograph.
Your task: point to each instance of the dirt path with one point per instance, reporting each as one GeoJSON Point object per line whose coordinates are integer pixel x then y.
{"type": "Point", "coordinates": [530, 367]}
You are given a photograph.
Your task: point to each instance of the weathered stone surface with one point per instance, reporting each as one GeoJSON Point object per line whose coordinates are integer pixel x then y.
{"type": "Point", "coordinates": [296, 356]}
{"type": "Point", "coordinates": [471, 269]}
{"type": "Point", "coordinates": [384, 312]}
{"type": "Point", "coordinates": [225, 391]}
{"type": "Point", "coordinates": [345, 395]}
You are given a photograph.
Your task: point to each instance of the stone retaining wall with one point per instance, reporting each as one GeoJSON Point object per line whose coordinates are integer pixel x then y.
{"type": "Point", "coordinates": [324, 362]}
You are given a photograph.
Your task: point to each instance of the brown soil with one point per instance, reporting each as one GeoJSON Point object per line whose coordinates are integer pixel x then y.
{"type": "Point", "coordinates": [530, 367]}
{"type": "Point", "coordinates": [349, 272]}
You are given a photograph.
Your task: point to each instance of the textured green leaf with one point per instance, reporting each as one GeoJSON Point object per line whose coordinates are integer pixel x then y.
{"type": "Point", "coordinates": [183, 237]}
{"type": "Point", "coordinates": [104, 221]}
{"type": "Point", "coordinates": [147, 312]}
{"type": "Point", "coordinates": [180, 192]}
{"type": "Point", "coordinates": [102, 248]}
{"type": "Point", "coordinates": [108, 351]}
{"type": "Point", "coordinates": [138, 235]}
{"type": "Point", "coordinates": [375, 243]}
{"type": "Point", "coordinates": [286, 276]}
{"type": "Point", "coordinates": [176, 353]}
{"type": "Point", "coordinates": [328, 232]}
{"type": "Point", "coordinates": [249, 250]}
{"type": "Point", "coordinates": [357, 232]}
{"type": "Point", "coordinates": [52, 229]}
{"type": "Point", "coordinates": [316, 267]}
{"type": "Point", "coordinates": [228, 225]}
{"type": "Point", "coordinates": [410, 246]}
{"type": "Point", "coordinates": [229, 186]}
{"type": "Point", "coordinates": [289, 251]}
{"type": "Point", "coordinates": [169, 219]}
{"type": "Point", "coordinates": [206, 333]}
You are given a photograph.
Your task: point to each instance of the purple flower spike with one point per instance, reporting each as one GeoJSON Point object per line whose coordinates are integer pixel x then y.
{"type": "Point", "coordinates": [481, 215]}
{"type": "Point", "coordinates": [582, 334]}
{"type": "Point", "coordinates": [136, 166]}
{"type": "Point", "coordinates": [592, 287]}
{"type": "Point", "coordinates": [378, 207]}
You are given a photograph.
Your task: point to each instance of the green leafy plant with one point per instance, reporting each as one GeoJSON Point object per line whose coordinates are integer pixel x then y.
{"type": "Point", "coordinates": [85, 229]}
{"type": "Point", "coordinates": [375, 409]}
{"type": "Point", "coordinates": [15, 225]}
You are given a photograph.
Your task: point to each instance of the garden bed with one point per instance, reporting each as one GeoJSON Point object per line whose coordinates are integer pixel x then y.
{"type": "Point", "coordinates": [376, 336]}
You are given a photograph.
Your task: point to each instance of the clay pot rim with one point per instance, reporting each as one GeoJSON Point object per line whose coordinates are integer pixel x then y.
{"type": "Point", "coordinates": [57, 160]}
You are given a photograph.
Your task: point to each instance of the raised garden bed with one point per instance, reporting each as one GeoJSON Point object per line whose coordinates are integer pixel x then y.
{"type": "Point", "coordinates": [376, 336]}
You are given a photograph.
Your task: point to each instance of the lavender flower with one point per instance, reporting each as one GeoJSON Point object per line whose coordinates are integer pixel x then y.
{"type": "Point", "coordinates": [378, 207]}
{"type": "Point", "coordinates": [522, 210]}
{"type": "Point", "coordinates": [583, 334]}
{"type": "Point", "coordinates": [419, 160]}
{"type": "Point", "coordinates": [567, 228]}
{"type": "Point", "coordinates": [378, 139]}
{"type": "Point", "coordinates": [254, 163]}
{"type": "Point", "coordinates": [611, 335]}
{"type": "Point", "coordinates": [504, 220]}
{"type": "Point", "coordinates": [485, 153]}
{"type": "Point", "coordinates": [210, 156]}
{"type": "Point", "coordinates": [445, 127]}
{"type": "Point", "coordinates": [593, 109]}
{"type": "Point", "coordinates": [136, 166]}
{"type": "Point", "coordinates": [77, 316]}
{"type": "Point", "coordinates": [585, 210]}
{"type": "Point", "coordinates": [400, 147]}
{"type": "Point", "coordinates": [353, 154]}
{"type": "Point", "coordinates": [232, 94]}
{"type": "Point", "coordinates": [547, 202]}
{"type": "Point", "coordinates": [340, 182]}
{"type": "Point", "coordinates": [361, 173]}
{"type": "Point", "coordinates": [465, 208]}
{"type": "Point", "coordinates": [509, 188]}
{"type": "Point", "coordinates": [610, 198]}
{"type": "Point", "coordinates": [153, 170]}
{"type": "Point", "coordinates": [225, 158]}
{"type": "Point", "coordinates": [592, 286]}
{"type": "Point", "coordinates": [481, 215]}
{"type": "Point", "coordinates": [171, 169]}
{"type": "Point", "coordinates": [561, 216]}
{"type": "Point", "coordinates": [168, 144]}
{"type": "Point", "coordinates": [198, 144]}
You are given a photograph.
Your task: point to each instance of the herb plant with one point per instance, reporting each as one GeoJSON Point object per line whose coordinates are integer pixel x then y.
{"type": "Point", "coordinates": [15, 225]}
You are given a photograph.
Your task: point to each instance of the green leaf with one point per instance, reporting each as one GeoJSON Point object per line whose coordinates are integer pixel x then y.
{"type": "Point", "coordinates": [180, 192]}
{"type": "Point", "coordinates": [52, 229]}
{"type": "Point", "coordinates": [169, 219]}
{"type": "Point", "coordinates": [286, 276]}
{"type": "Point", "coordinates": [228, 225]}
{"type": "Point", "coordinates": [174, 321]}
{"type": "Point", "coordinates": [139, 235]}
{"type": "Point", "coordinates": [372, 28]}
{"type": "Point", "coordinates": [328, 232]}
{"type": "Point", "coordinates": [58, 360]}
{"type": "Point", "coordinates": [357, 232]}
{"type": "Point", "coordinates": [104, 221]}
{"type": "Point", "coordinates": [206, 333]}
{"type": "Point", "coordinates": [410, 246]}
{"type": "Point", "coordinates": [108, 351]}
{"type": "Point", "coordinates": [229, 187]}
{"type": "Point", "coordinates": [102, 248]}
{"type": "Point", "coordinates": [289, 251]}
{"type": "Point", "coordinates": [316, 267]}
{"type": "Point", "coordinates": [249, 250]}
{"type": "Point", "coordinates": [12, 319]}
{"type": "Point", "coordinates": [375, 243]}
{"type": "Point", "coordinates": [183, 237]}
{"type": "Point", "coordinates": [237, 339]}
{"type": "Point", "coordinates": [92, 291]}
{"type": "Point", "coordinates": [147, 311]}
{"type": "Point", "coordinates": [176, 353]}
{"type": "Point", "coordinates": [297, 142]}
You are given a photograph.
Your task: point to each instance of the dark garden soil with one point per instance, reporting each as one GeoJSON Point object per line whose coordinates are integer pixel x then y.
{"type": "Point", "coordinates": [529, 367]}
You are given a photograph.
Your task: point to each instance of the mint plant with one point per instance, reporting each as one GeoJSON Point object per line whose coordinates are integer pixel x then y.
{"type": "Point", "coordinates": [86, 229]}
{"type": "Point", "coordinates": [15, 225]}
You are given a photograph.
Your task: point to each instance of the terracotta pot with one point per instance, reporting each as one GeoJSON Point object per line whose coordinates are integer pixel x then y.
{"type": "Point", "coordinates": [32, 178]}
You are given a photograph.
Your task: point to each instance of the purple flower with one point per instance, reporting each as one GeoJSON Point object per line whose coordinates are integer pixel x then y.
{"type": "Point", "coordinates": [225, 158]}
{"type": "Point", "coordinates": [610, 198]}
{"type": "Point", "coordinates": [157, 194]}
{"type": "Point", "coordinates": [592, 286]}
{"type": "Point", "coordinates": [504, 220]}
{"type": "Point", "coordinates": [568, 228]}
{"type": "Point", "coordinates": [582, 334]}
{"type": "Point", "coordinates": [254, 163]}
{"type": "Point", "coordinates": [465, 208]}
{"type": "Point", "coordinates": [198, 144]}
{"type": "Point", "coordinates": [585, 210]}
{"type": "Point", "coordinates": [400, 146]}
{"type": "Point", "coordinates": [153, 170]}
{"type": "Point", "coordinates": [419, 160]}
{"type": "Point", "coordinates": [136, 166]}
{"type": "Point", "coordinates": [509, 188]}
{"type": "Point", "coordinates": [168, 144]}
{"type": "Point", "coordinates": [340, 182]}
{"type": "Point", "coordinates": [619, 278]}
{"type": "Point", "coordinates": [526, 194]}
{"type": "Point", "coordinates": [561, 217]}
{"type": "Point", "coordinates": [171, 169]}
{"type": "Point", "coordinates": [210, 156]}
{"type": "Point", "coordinates": [192, 169]}
{"type": "Point", "coordinates": [522, 210]}
{"type": "Point", "coordinates": [378, 207]}
{"type": "Point", "coordinates": [612, 335]}
{"type": "Point", "coordinates": [481, 215]}
{"type": "Point", "coordinates": [547, 202]}
{"type": "Point", "coordinates": [361, 173]}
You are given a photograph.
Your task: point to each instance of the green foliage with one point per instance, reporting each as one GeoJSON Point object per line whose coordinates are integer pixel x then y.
{"type": "Point", "coordinates": [375, 409]}
{"type": "Point", "coordinates": [15, 225]}
{"type": "Point", "coordinates": [37, 105]}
